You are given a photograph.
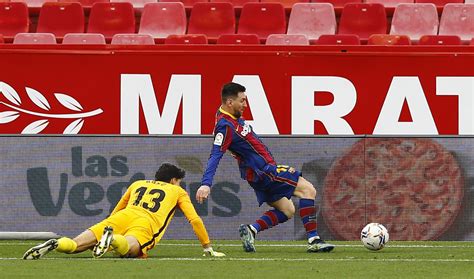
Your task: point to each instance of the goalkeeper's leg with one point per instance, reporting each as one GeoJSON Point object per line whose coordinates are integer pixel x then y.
{"type": "Point", "coordinates": [82, 242]}
{"type": "Point", "coordinates": [126, 246]}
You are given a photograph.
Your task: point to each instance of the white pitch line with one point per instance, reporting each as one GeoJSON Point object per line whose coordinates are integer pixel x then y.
{"type": "Point", "coordinates": [275, 245]}
{"type": "Point", "coordinates": [337, 245]}
{"type": "Point", "coordinates": [256, 259]}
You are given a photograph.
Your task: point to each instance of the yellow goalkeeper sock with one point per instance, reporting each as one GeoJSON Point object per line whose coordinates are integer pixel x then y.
{"type": "Point", "coordinates": [120, 244]}
{"type": "Point", "coordinates": [66, 245]}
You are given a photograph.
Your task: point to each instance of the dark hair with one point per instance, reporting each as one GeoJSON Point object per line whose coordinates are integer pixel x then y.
{"type": "Point", "coordinates": [168, 171]}
{"type": "Point", "coordinates": [231, 90]}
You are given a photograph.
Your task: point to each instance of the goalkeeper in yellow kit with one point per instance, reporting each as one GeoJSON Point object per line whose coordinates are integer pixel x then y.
{"type": "Point", "coordinates": [137, 222]}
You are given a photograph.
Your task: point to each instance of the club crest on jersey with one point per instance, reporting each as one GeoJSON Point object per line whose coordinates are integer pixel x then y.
{"type": "Point", "coordinates": [218, 139]}
{"type": "Point", "coordinates": [244, 130]}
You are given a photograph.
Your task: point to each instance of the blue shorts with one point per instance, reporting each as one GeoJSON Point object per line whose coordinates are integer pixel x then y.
{"type": "Point", "coordinates": [275, 183]}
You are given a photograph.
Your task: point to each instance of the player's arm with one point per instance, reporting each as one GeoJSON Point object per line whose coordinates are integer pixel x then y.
{"type": "Point", "coordinates": [184, 203]}
{"type": "Point", "coordinates": [222, 140]}
{"type": "Point", "coordinates": [123, 201]}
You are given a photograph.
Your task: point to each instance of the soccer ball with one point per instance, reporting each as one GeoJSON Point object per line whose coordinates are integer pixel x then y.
{"type": "Point", "coordinates": [374, 236]}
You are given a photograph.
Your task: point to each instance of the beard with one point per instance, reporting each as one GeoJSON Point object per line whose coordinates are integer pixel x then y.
{"type": "Point", "coordinates": [237, 114]}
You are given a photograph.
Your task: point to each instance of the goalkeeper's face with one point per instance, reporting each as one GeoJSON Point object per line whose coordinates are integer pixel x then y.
{"type": "Point", "coordinates": [239, 104]}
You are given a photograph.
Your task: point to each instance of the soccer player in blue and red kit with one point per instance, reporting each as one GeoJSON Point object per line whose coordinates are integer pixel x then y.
{"type": "Point", "coordinates": [273, 184]}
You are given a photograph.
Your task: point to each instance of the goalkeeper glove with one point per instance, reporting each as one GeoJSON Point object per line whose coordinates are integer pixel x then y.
{"type": "Point", "coordinates": [209, 252]}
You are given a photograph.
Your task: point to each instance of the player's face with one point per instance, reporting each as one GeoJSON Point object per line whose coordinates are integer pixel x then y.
{"type": "Point", "coordinates": [239, 104]}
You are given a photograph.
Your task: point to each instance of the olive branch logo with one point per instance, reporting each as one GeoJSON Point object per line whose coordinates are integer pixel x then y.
{"type": "Point", "coordinates": [39, 100]}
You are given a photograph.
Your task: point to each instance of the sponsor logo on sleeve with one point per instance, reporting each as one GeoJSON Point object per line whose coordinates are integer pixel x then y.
{"type": "Point", "coordinates": [219, 139]}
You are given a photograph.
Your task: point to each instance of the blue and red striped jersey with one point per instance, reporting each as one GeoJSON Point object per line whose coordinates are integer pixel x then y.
{"type": "Point", "coordinates": [238, 137]}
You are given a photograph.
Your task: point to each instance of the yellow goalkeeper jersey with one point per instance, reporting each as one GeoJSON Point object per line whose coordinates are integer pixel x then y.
{"type": "Point", "coordinates": [157, 201]}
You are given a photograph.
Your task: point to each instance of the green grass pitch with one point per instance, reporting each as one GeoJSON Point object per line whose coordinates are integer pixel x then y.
{"type": "Point", "coordinates": [273, 259]}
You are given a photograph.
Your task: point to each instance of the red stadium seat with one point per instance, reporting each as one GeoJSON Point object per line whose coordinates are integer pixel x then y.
{"type": "Point", "coordinates": [337, 3]}
{"type": "Point", "coordinates": [415, 20]}
{"type": "Point", "coordinates": [363, 20]}
{"type": "Point", "coordinates": [35, 3]}
{"type": "Point", "coordinates": [111, 18]}
{"type": "Point", "coordinates": [35, 39]}
{"type": "Point", "coordinates": [288, 4]}
{"type": "Point", "coordinates": [86, 3]}
{"type": "Point", "coordinates": [2, 41]}
{"type": "Point", "coordinates": [440, 40]}
{"type": "Point", "coordinates": [212, 19]}
{"type": "Point", "coordinates": [238, 39]}
{"type": "Point", "coordinates": [61, 18]}
{"type": "Point", "coordinates": [312, 20]}
{"type": "Point", "coordinates": [132, 39]}
{"type": "Point", "coordinates": [163, 19]}
{"type": "Point", "coordinates": [136, 3]}
{"type": "Point", "coordinates": [84, 39]}
{"type": "Point", "coordinates": [472, 42]}
{"type": "Point", "coordinates": [285, 39]}
{"type": "Point", "coordinates": [458, 19]}
{"type": "Point", "coordinates": [13, 19]}
{"type": "Point", "coordinates": [187, 3]}
{"type": "Point", "coordinates": [237, 3]}
{"type": "Point", "coordinates": [262, 19]}
{"type": "Point", "coordinates": [439, 3]}
{"type": "Point", "coordinates": [386, 40]}
{"type": "Point", "coordinates": [390, 3]}
{"type": "Point", "coordinates": [338, 40]}
{"type": "Point", "coordinates": [189, 39]}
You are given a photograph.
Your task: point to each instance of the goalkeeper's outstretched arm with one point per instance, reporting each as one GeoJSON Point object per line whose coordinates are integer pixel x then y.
{"type": "Point", "coordinates": [198, 226]}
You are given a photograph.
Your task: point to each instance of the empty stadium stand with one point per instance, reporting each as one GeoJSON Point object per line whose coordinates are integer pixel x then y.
{"type": "Point", "coordinates": [238, 39]}
{"type": "Point", "coordinates": [35, 39]}
{"type": "Point", "coordinates": [111, 18]}
{"type": "Point", "coordinates": [84, 39]}
{"type": "Point", "coordinates": [188, 39]}
{"type": "Point", "coordinates": [262, 19]}
{"type": "Point", "coordinates": [363, 20]}
{"type": "Point", "coordinates": [14, 19]}
{"type": "Point", "coordinates": [339, 39]}
{"type": "Point", "coordinates": [458, 19]}
{"type": "Point", "coordinates": [132, 39]}
{"type": "Point", "coordinates": [61, 18]}
{"type": "Point", "coordinates": [163, 19]}
{"type": "Point", "coordinates": [212, 20]}
{"type": "Point", "coordinates": [440, 40]}
{"type": "Point", "coordinates": [287, 39]}
{"type": "Point", "coordinates": [387, 39]}
{"type": "Point", "coordinates": [312, 20]}
{"type": "Point", "coordinates": [415, 20]}
{"type": "Point", "coordinates": [439, 22]}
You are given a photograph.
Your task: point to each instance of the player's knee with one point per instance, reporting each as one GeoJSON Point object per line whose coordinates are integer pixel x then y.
{"type": "Point", "coordinates": [134, 250]}
{"type": "Point", "coordinates": [290, 211]}
{"type": "Point", "coordinates": [306, 191]}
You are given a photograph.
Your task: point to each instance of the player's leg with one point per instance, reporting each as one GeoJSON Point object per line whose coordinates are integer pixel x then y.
{"type": "Point", "coordinates": [283, 209]}
{"type": "Point", "coordinates": [134, 249]}
{"type": "Point", "coordinates": [84, 241]}
{"type": "Point", "coordinates": [38, 251]}
{"type": "Point", "coordinates": [307, 211]}
{"type": "Point", "coordinates": [125, 246]}
{"type": "Point", "coordinates": [105, 240]}
{"type": "Point", "coordinates": [137, 238]}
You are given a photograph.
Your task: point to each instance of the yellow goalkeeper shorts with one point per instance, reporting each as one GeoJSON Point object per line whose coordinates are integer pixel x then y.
{"type": "Point", "coordinates": [128, 223]}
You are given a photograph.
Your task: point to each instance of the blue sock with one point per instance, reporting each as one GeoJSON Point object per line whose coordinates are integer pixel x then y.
{"type": "Point", "coordinates": [269, 219]}
{"type": "Point", "coordinates": [308, 217]}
